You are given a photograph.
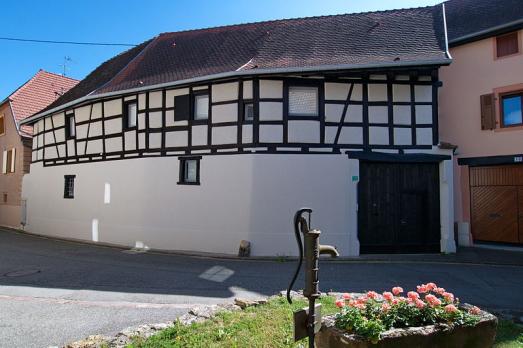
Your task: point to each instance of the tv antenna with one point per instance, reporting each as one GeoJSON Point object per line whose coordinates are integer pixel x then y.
{"type": "Point", "coordinates": [64, 66]}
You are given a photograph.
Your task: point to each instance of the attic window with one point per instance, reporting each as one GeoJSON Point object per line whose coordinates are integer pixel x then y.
{"type": "Point", "coordinates": [507, 45]}
{"type": "Point", "coordinates": [303, 101]}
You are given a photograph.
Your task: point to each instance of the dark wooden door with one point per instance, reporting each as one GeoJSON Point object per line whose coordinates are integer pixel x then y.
{"type": "Point", "coordinates": [398, 207]}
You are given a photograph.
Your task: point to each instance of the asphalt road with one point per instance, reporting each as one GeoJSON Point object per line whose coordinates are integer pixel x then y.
{"type": "Point", "coordinates": [80, 289]}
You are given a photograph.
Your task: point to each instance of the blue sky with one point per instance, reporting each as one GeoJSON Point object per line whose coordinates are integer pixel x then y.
{"type": "Point", "coordinates": [133, 21]}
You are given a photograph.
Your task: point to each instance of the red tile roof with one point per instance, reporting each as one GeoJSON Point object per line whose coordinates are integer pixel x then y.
{"type": "Point", "coordinates": [37, 93]}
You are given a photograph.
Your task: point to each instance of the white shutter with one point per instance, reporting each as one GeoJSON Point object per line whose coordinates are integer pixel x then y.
{"type": "Point", "coordinates": [13, 153]}
{"type": "Point", "coordinates": [4, 162]}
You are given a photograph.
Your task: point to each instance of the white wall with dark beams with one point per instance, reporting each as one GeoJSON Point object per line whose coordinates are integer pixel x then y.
{"type": "Point", "coordinates": [254, 173]}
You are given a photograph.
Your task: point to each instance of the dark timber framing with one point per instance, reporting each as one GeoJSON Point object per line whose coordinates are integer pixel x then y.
{"type": "Point", "coordinates": [426, 76]}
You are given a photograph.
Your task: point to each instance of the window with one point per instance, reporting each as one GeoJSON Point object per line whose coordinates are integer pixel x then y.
{"type": "Point", "coordinates": [9, 161]}
{"type": "Point", "coordinates": [248, 111]}
{"type": "Point", "coordinates": [201, 106]}
{"type": "Point", "coordinates": [2, 125]}
{"type": "Point", "coordinates": [190, 171]}
{"type": "Point", "coordinates": [507, 45]}
{"type": "Point", "coordinates": [511, 109]}
{"type": "Point", "coordinates": [130, 115]}
{"type": "Point", "coordinates": [303, 101]}
{"type": "Point", "coordinates": [70, 130]}
{"type": "Point", "coordinates": [69, 186]}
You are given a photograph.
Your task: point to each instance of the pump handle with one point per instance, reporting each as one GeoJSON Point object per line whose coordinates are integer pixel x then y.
{"type": "Point", "coordinates": [298, 220]}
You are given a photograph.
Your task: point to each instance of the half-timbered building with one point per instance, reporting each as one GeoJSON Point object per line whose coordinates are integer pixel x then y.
{"type": "Point", "coordinates": [198, 139]}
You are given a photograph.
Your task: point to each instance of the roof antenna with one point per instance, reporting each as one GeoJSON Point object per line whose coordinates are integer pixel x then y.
{"type": "Point", "coordinates": [64, 65]}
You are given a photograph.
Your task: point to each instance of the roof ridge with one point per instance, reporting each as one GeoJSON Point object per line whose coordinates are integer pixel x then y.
{"type": "Point", "coordinates": [296, 19]}
{"type": "Point", "coordinates": [58, 75]}
{"type": "Point", "coordinates": [140, 53]}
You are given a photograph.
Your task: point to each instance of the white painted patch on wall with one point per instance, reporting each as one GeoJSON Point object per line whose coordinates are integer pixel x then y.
{"type": "Point", "coordinates": [107, 193]}
{"type": "Point", "coordinates": [94, 230]}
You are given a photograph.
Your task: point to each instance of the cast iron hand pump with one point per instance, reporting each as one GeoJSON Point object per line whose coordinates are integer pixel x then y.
{"type": "Point", "coordinates": [310, 249]}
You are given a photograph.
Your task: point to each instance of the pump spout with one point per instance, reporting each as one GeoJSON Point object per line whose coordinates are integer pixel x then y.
{"type": "Point", "coordinates": [329, 249]}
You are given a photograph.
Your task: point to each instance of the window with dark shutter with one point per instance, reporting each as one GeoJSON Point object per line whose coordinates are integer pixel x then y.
{"type": "Point", "coordinates": [511, 107]}
{"type": "Point", "coordinates": [488, 116]}
{"type": "Point", "coordinates": [507, 45]}
{"type": "Point", "coordinates": [182, 107]}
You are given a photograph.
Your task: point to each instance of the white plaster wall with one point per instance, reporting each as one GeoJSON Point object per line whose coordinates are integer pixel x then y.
{"type": "Point", "coordinates": [240, 196]}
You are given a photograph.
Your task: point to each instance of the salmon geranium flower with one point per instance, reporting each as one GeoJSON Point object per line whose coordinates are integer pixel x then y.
{"type": "Point", "coordinates": [422, 288]}
{"type": "Point", "coordinates": [385, 307]}
{"type": "Point", "coordinates": [419, 303]}
{"type": "Point", "coordinates": [432, 300]}
{"type": "Point", "coordinates": [397, 290]}
{"type": "Point", "coordinates": [474, 310]}
{"type": "Point", "coordinates": [413, 295]}
{"type": "Point", "coordinates": [449, 297]}
{"type": "Point", "coordinates": [372, 294]}
{"type": "Point", "coordinates": [347, 296]}
{"type": "Point", "coordinates": [388, 296]}
{"type": "Point", "coordinates": [451, 308]}
{"type": "Point", "coordinates": [431, 286]}
{"type": "Point", "coordinates": [340, 303]}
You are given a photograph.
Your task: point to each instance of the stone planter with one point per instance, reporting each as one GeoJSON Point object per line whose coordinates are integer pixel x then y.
{"type": "Point", "coordinates": [432, 336]}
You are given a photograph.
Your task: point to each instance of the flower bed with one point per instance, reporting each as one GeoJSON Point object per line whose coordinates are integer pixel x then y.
{"type": "Point", "coordinates": [428, 312]}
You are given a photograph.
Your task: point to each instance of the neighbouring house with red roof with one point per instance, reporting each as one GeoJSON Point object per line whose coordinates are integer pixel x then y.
{"type": "Point", "coordinates": [196, 140]}
{"type": "Point", "coordinates": [15, 139]}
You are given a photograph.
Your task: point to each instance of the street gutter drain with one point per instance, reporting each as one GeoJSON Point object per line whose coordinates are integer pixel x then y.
{"type": "Point", "coordinates": [22, 273]}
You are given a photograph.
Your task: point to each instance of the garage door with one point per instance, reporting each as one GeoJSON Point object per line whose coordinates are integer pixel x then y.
{"type": "Point", "coordinates": [497, 203]}
{"type": "Point", "coordinates": [398, 209]}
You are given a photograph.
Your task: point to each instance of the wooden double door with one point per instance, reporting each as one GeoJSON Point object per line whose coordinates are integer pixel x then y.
{"type": "Point", "coordinates": [398, 209]}
{"type": "Point", "coordinates": [496, 195]}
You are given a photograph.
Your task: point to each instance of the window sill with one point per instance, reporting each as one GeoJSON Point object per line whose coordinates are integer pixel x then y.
{"type": "Point", "coordinates": [188, 183]}
{"type": "Point", "coordinates": [508, 128]}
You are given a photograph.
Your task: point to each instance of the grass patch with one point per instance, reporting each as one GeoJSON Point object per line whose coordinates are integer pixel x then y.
{"type": "Point", "coordinates": [269, 326]}
{"type": "Point", "coordinates": [509, 335]}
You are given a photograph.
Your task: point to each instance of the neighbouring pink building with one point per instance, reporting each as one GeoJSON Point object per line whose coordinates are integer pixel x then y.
{"type": "Point", "coordinates": [481, 113]}
{"type": "Point", "coordinates": [15, 139]}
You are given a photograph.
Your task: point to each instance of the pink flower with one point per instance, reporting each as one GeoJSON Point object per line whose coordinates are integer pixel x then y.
{"type": "Point", "coordinates": [450, 308]}
{"type": "Point", "coordinates": [388, 296]}
{"type": "Point", "coordinates": [395, 301]}
{"type": "Point", "coordinates": [432, 300]}
{"type": "Point", "coordinates": [385, 307]}
{"type": "Point", "coordinates": [449, 297]}
{"type": "Point", "coordinates": [340, 303]}
{"type": "Point", "coordinates": [431, 286]}
{"type": "Point", "coordinates": [413, 295]}
{"type": "Point", "coordinates": [419, 303]}
{"type": "Point", "coordinates": [422, 288]}
{"type": "Point", "coordinates": [352, 303]}
{"type": "Point", "coordinates": [347, 296]}
{"type": "Point", "coordinates": [372, 294]}
{"type": "Point", "coordinates": [474, 310]}
{"type": "Point", "coordinates": [362, 300]}
{"type": "Point", "coordinates": [359, 306]}
{"type": "Point", "coordinates": [397, 290]}
{"type": "Point", "coordinates": [439, 291]}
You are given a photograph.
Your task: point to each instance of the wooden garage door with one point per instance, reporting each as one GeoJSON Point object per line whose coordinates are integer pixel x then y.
{"type": "Point", "coordinates": [398, 209]}
{"type": "Point", "coordinates": [497, 203]}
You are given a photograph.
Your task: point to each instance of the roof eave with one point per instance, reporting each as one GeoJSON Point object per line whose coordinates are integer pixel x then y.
{"type": "Point", "coordinates": [483, 34]}
{"type": "Point", "coordinates": [251, 72]}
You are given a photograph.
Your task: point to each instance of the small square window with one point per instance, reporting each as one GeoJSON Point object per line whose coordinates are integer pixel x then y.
{"type": "Point", "coordinates": [70, 127]}
{"type": "Point", "coordinates": [507, 45]}
{"type": "Point", "coordinates": [248, 111]}
{"type": "Point", "coordinates": [201, 106]}
{"type": "Point", "coordinates": [190, 171]}
{"type": "Point", "coordinates": [511, 106]}
{"type": "Point", "coordinates": [69, 186]}
{"type": "Point", "coordinates": [131, 111]}
{"type": "Point", "coordinates": [303, 101]}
